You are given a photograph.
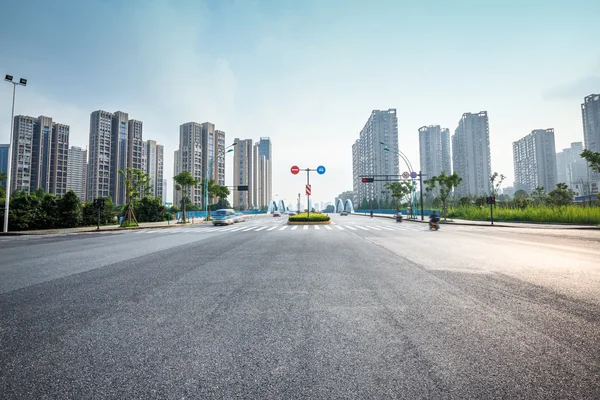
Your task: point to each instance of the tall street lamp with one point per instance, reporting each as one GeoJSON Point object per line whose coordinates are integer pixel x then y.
{"type": "Point", "coordinates": [209, 173]}
{"type": "Point", "coordinates": [22, 82]}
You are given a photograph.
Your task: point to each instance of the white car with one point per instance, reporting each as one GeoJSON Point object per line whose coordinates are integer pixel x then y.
{"type": "Point", "coordinates": [276, 214]}
{"type": "Point", "coordinates": [239, 217]}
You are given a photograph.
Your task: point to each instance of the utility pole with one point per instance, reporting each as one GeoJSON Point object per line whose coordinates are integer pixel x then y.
{"type": "Point", "coordinates": [421, 193]}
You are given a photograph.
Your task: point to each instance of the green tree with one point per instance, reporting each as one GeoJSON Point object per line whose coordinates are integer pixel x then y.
{"type": "Point", "coordinates": [137, 184]}
{"type": "Point", "coordinates": [150, 209]}
{"type": "Point", "coordinates": [538, 195]}
{"type": "Point", "coordinates": [2, 188]}
{"type": "Point", "coordinates": [480, 201]}
{"type": "Point", "coordinates": [561, 196]}
{"type": "Point", "coordinates": [521, 194]}
{"type": "Point", "coordinates": [496, 180]}
{"type": "Point", "coordinates": [399, 191]}
{"type": "Point", "coordinates": [184, 181]}
{"type": "Point", "coordinates": [69, 210]}
{"type": "Point", "coordinates": [593, 159]}
{"type": "Point", "coordinates": [212, 189]}
{"type": "Point", "coordinates": [465, 201]}
{"type": "Point", "coordinates": [442, 185]}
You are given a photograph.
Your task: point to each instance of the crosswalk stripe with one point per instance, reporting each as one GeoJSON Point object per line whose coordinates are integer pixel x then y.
{"type": "Point", "coordinates": [317, 228]}
{"type": "Point", "coordinates": [248, 229]}
{"type": "Point", "coordinates": [294, 227]}
{"type": "Point", "coordinates": [260, 229]}
{"type": "Point", "coordinates": [349, 227]}
{"type": "Point", "coordinates": [374, 227]}
{"type": "Point", "coordinates": [283, 227]}
{"type": "Point", "coordinates": [305, 227]}
{"type": "Point", "coordinates": [327, 227]}
{"type": "Point", "coordinates": [271, 228]}
{"type": "Point", "coordinates": [363, 228]}
{"type": "Point", "coordinates": [386, 228]}
{"type": "Point", "coordinates": [339, 227]}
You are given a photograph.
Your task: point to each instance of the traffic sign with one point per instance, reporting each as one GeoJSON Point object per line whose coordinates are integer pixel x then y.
{"type": "Point", "coordinates": [405, 175]}
{"type": "Point", "coordinates": [308, 190]}
{"type": "Point", "coordinates": [320, 170]}
{"type": "Point", "coordinates": [295, 169]}
{"type": "Point", "coordinates": [413, 174]}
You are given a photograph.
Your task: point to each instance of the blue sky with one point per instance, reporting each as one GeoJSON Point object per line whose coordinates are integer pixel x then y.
{"type": "Point", "coordinates": [305, 73]}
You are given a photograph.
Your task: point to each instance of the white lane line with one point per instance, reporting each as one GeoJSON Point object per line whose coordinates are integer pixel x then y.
{"type": "Point", "coordinates": [317, 228]}
{"type": "Point", "coordinates": [260, 229]}
{"type": "Point", "coordinates": [271, 228]}
{"type": "Point", "coordinates": [248, 229]}
{"type": "Point", "coordinates": [305, 227]}
{"type": "Point", "coordinates": [339, 227]}
{"type": "Point", "coordinates": [363, 228]}
{"type": "Point", "coordinates": [327, 227]}
{"type": "Point", "coordinates": [349, 227]}
{"type": "Point", "coordinates": [373, 227]}
{"type": "Point", "coordinates": [283, 227]}
{"type": "Point", "coordinates": [239, 229]}
{"type": "Point", "coordinates": [294, 227]}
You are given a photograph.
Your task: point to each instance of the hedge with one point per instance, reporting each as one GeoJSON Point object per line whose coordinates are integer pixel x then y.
{"type": "Point", "coordinates": [314, 217]}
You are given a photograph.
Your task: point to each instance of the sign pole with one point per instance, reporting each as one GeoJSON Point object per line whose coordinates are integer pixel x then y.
{"type": "Point", "coordinates": [308, 195]}
{"type": "Point", "coordinates": [421, 193]}
{"type": "Point", "coordinates": [492, 211]}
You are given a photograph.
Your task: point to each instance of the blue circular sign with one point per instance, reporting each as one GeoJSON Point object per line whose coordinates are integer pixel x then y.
{"type": "Point", "coordinates": [320, 170]}
{"type": "Point", "coordinates": [413, 174]}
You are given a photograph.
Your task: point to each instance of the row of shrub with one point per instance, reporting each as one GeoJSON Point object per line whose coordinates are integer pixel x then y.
{"type": "Point", "coordinates": [572, 214]}
{"type": "Point", "coordinates": [304, 217]}
{"type": "Point", "coordinates": [41, 210]}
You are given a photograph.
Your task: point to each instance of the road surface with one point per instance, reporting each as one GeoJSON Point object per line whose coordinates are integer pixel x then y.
{"type": "Point", "coordinates": [361, 308]}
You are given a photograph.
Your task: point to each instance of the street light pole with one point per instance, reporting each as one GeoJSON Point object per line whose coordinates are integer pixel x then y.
{"type": "Point", "coordinates": [209, 173]}
{"type": "Point", "coordinates": [22, 82]}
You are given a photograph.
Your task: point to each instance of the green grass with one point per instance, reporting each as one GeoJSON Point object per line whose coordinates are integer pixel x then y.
{"type": "Point", "coordinates": [314, 217]}
{"type": "Point", "coordinates": [539, 213]}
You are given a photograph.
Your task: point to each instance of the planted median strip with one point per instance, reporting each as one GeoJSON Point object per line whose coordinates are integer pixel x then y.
{"type": "Point", "coordinates": [305, 219]}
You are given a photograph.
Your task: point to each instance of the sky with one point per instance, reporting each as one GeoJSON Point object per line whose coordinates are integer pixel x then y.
{"type": "Point", "coordinates": [307, 74]}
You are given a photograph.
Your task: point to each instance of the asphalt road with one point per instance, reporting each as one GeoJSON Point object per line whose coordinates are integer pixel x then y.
{"type": "Point", "coordinates": [363, 308]}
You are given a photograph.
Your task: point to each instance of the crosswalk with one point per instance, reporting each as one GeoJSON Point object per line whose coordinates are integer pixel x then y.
{"type": "Point", "coordinates": [358, 228]}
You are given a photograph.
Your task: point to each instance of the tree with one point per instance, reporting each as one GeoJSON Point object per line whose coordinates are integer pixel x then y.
{"type": "Point", "coordinates": [69, 210]}
{"type": "Point", "coordinates": [521, 194]}
{"type": "Point", "coordinates": [212, 189]}
{"type": "Point", "coordinates": [561, 196]}
{"type": "Point", "coordinates": [137, 184]}
{"type": "Point", "coordinates": [538, 194]}
{"type": "Point", "coordinates": [399, 191]}
{"type": "Point", "coordinates": [480, 201]}
{"type": "Point", "coordinates": [593, 159]}
{"type": "Point", "coordinates": [465, 201]}
{"type": "Point", "coordinates": [496, 180]}
{"type": "Point", "coordinates": [150, 209]}
{"type": "Point", "coordinates": [183, 182]}
{"type": "Point", "coordinates": [443, 185]}
{"type": "Point", "coordinates": [2, 188]}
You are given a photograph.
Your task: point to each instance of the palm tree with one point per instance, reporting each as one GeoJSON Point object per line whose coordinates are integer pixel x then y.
{"type": "Point", "coordinates": [183, 182]}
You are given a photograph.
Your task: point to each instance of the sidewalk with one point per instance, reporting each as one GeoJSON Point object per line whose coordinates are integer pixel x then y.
{"type": "Point", "coordinates": [504, 224]}
{"type": "Point", "coordinates": [105, 228]}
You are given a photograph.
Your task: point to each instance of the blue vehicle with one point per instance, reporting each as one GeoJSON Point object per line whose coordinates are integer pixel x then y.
{"type": "Point", "coordinates": [223, 217]}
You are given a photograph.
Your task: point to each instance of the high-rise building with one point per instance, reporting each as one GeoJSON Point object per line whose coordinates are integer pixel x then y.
{"type": "Point", "coordinates": [76, 171]}
{"type": "Point", "coordinates": [40, 155]}
{"type": "Point", "coordinates": [59, 159]}
{"type": "Point", "coordinates": [164, 191]}
{"type": "Point", "coordinates": [160, 153]}
{"type": "Point", "coordinates": [213, 151]}
{"type": "Point", "coordinates": [572, 169]}
{"type": "Point", "coordinates": [534, 159]}
{"type": "Point", "coordinates": [243, 173]}
{"type": "Point", "coordinates": [434, 150]}
{"type": "Point", "coordinates": [152, 163]}
{"type": "Point", "coordinates": [189, 158]}
{"type": "Point", "coordinates": [369, 157]}
{"type": "Point", "coordinates": [265, 150]}
{"type": "Point", "coordinates": [134, 144]}
{"type": "Point", "coordinates": [261, 184]}
{"type": "Point", "coordinates": [590, 112]}
{"type": "Point", "coordinates": [4, 160]}
{"type": "Point", "coordinates": [144, 167]}
{"type": "Point", "coordinates": [471, 158]}
{"type": "Point", "coordinates": [118, 156]}
{"type": "Point", "coordinates": [99, 162]}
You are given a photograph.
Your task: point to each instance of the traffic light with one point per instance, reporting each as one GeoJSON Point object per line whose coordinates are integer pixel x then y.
{"type": "Point", "coordinates": [99, 203]}
{"type": "Point", "coordinates": [490, 200]}
{"type": "Point", "coordinates": [367, 180]}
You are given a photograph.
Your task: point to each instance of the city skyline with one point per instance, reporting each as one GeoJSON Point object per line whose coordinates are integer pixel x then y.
{"type": "Point", "coordinates": [260, 80]}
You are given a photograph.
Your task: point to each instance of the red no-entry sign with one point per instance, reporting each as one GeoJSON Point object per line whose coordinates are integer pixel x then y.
{"type": "Point", "coordinates": [295, 169]}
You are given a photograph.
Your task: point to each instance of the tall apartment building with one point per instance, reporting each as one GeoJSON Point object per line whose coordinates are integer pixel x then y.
{"type": "Point", "coordinates": [59, 159]}
{"type": "Point", "coordinates": [369, 157]}
{"type": "Point", "coordinates": [118, 156]}
{"type": "Point", "coordinates": [176, 171]}
{"type": "Point", "coordinates": [243, 173]}
{"type": "Point", "coordinates": [189, 158]}
{"type": "Point", "coordinates": [590, 112]}
{"type": "Point", "coordinates": [213, 150]}
{"type": "Point", "coordinates": [154, 160]}
{"type": "Point", "coordinates": [471, 158]}
{"type": "Point", "coordinates": [76, 171]}
{"type": "Point", "coordinates": [164, 191]}
{"type": "Point", "coordinates": [99, 162]}
{"type": "Point", "coordinates": [40, 155]}
{"type": "Point", "coordinates": [434, 150]}
{"type": "Point", "coordinates": [534, 158]}
{"type": "Point", "coordinates": [572, 169]}
{"type": "Point", "coordinates": [265, 156]}
{"type": "Point", "coordinates": [134, 144]}
{"type": "Point", "coordinates": [4, 160]}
